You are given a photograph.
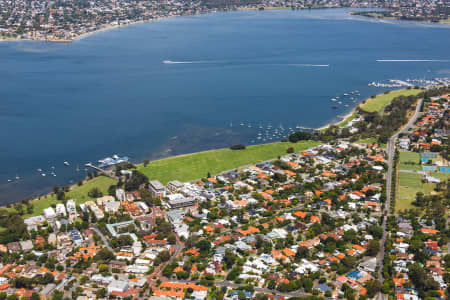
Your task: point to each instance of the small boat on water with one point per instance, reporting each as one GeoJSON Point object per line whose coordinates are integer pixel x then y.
{"type": "Point", "coordinates": [66, 163]}
{"type": "Point", "coordinates": [43, 174]}
{"type": "Point", "coordinates": [9, 180]}
{"type": "Point", "coordinates": [17, 177]}
{"type": "Point", "coordinates": [334, 106]}
{"type": "Point", "coordinates": [39, 170]}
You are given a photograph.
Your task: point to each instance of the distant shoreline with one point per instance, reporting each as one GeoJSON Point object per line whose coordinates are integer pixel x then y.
{"type": "Point", "coordinates": [105, 27]}
{"type": "Point", "coordinates": [109, 26]}
{"type": "Point", "coordinates": [379, 16]}
{"type": "Point", "coordinates": [86, 34]}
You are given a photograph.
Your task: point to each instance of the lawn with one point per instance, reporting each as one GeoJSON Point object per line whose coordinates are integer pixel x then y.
{"type": "Point", "coordinates": [370, 140]}
{"type": "Point", "coordinates": [409, 184]}
{"type": "Point", "coordinates": [380, 101]}
{"type": "Point", "coordinates": [375, 15]}
{"type": "Point", "coordinates": [197, 165]}
{"type": "Point", "coordinates": [410, 161]}
{"type": "Point", "coordinates": [344, 122]}
{"type": "Point", "coordinates": [441, 175]}
{"type": "Point", "coordinates": [78, 193]}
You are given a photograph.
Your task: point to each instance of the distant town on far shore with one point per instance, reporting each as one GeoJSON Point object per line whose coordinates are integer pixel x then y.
{"type": "Point", "coordinates": [66, 21]}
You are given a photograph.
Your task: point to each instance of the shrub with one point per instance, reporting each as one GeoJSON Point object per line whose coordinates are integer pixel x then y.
{"type": "Point", "coordinates": [238, 147]}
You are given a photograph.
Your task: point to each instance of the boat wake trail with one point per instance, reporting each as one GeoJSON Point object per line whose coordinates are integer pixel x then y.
{"type": "Point", "coordinates": [413, 60]}
{"type": "Point", "coordinates": [308, 65]}
{"type": "Point", "coordinates": [171, 62]}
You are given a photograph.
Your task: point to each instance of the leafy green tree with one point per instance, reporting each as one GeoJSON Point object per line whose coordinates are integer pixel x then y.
{"type": "Point", "coordinates": [373, 248]}
{"type": "Point", "coordinates": [104, 255]}
{"type": "Point", "coordinates": [101, 293]}
{"type": "Point", "coordinates": [204, 245]}
{"type": "Point", "coordinates": [95, 193]}
{"type": "Point", "coordinates": [372, 287]}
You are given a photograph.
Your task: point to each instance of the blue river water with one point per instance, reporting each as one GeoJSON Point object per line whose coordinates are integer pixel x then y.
{"type": "Point", "coordinates": [186, 84]}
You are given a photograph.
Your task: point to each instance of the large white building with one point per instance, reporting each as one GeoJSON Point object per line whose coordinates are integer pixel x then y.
{"type": "Point", "coordinates": [71, 208]}
{"type": "Point", "coordinates": [60, 210]}
{"type": "Point", "coordinates": [120, 195]}
{"type": "Point", "coordinates": [49, 213]}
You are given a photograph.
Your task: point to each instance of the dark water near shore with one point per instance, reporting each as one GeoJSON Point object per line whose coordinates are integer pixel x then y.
{"type": "Point", "coordinates": [112, 92]}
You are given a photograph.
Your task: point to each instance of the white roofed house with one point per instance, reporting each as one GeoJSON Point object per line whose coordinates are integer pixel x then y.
{"type": "Point", "coordinates": [156, 188]}
{"type": "Point", "coordinates": [105, 199]}
{"type": "Point", "coordinates": [49, 213]}
{"type": "Point", "coordinates": [60, 210]}
{"type": "Point", "coordinates": [404, 142]}
{"type": "Point", "coordinates": [112, 206]}
{"type": "Point", "coordinates": [178, 200]}
{"type": "Point", "coordinates": [306, 266]}
{"type": "Point", "coordinates": [120, 195]}
{"type": "Point", "coordinates": [95, 209]}
{"type": "Point", "coordinates": [117, 286]}
{"type": "Point", "coordinates": [26, 245]}
{"type": "Point", "coordinates": [71, 209]}
{"type": "Point", "coordinates": [33, 222]}
{"type": "Point", "coordinates": [142, 206]}
{"type": "Point", "coordinates": [175, 186]}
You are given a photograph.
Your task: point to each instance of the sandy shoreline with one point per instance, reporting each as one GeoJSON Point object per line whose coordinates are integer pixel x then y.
{"type": "Point", "coordinates": [345, 117]}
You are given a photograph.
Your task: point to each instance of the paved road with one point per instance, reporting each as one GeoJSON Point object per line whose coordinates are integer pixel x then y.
{"type": "Point", "coordinates": [157, 273]}
{"type": "Point", "coordinates": [391, 152]}
{"type": "Point", "coordinates": [104, 239]}
{"type": "Point", "coordinates": [68, 294]}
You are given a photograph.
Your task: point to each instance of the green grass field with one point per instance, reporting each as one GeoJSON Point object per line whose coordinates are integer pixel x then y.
{"type": "Point", "coordinates": [410, 161]}
{"type": "Point", "coordinates": [77, 193]}
{"type": "Point", "coordinates": [375, 15]}
{"type": "Point", "coordinates": [409, 184]}
{"type": "Point", "coordinates": [276, 8]}
{"type": "Point", "coordinates": [197, 165]}
{"type": "Point", "coordinates": [370, 140]}
{"type": "Point", "coordinates": [442, 176]}
{"type": "Point", "coordinates": [380, 101]}
{"type": "Point", "coordinates": [344, 122]}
